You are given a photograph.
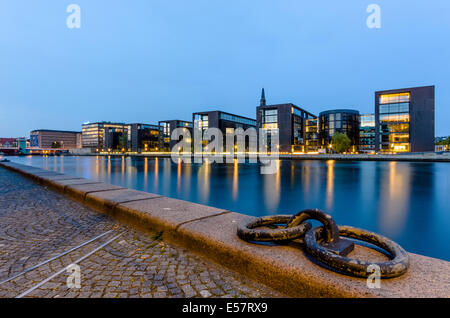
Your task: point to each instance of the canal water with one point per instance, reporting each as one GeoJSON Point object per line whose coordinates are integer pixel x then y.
{"type": "Point", "coordinates": [406, 201]}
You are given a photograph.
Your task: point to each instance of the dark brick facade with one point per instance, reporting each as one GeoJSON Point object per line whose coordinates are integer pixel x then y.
{"type": "Point", "coordinates": [422, 117]}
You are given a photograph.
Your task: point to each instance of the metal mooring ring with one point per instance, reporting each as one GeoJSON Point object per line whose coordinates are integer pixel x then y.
{"type": "Point", "coordinates": [397, 266]}
{"type": "Point", "coordinates": [330, 235]}
{"type": "Point", "coordinates": [332, 231]}
{"type": "Point", "coordinates": [249, 233]}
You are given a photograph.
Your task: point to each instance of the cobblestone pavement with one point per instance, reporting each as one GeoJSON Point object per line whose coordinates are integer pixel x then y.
{"type": "Point", "coordinates": [37, 224]}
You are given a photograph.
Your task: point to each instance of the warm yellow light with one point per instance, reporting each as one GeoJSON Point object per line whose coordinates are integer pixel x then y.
{"type": "Point", "coordinates": [395, 98]}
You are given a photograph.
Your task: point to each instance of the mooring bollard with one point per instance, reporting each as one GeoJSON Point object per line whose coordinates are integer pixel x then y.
{"type": "Point", "coordinates": [325, 243]}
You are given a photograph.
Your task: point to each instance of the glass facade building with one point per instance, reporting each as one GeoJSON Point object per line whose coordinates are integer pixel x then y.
{"type": "Point", "coordinates": [107, 136]}
{"type": "Point", "coordinates": [104, 136]}
{"type": "Point", "coordinates": [404, 120]}
{"type": "Point", "coordinates": [166, 128]}
{"type": "Point", "coordinates": [344, 121]}
{"type": "Point", "coordinates": [312, 134]}
{"type": "Point", "coordinates": [394, 120]}
{"type": "Point", "coordinates": [367, 133]}
{"type": "Point", "coordinates": [288, 121]}
{"type": "Point", "coordinates": [143, 138]}
{"type": "Point", "coordinates": [225, 122]}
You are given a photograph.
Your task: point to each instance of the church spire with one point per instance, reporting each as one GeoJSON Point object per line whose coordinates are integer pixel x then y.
{"type": "Point", "coordinates": [262, 101]}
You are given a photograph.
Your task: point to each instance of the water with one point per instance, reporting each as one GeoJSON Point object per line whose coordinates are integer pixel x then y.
{"type": "Point", "coordinates": [408, 202]}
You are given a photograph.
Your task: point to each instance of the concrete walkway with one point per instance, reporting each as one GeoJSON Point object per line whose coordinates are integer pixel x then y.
{"type": "Point", "coordinates": [212, 233]}
{"type": "Point", "coordinates": [37, 224]}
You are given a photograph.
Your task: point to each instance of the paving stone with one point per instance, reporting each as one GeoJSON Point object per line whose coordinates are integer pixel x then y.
{"type": "Point", "coordinates": [37, 224]}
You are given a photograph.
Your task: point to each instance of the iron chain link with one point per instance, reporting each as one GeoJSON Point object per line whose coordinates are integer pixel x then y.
{"type": "Point", "coordinates": [328, 243]}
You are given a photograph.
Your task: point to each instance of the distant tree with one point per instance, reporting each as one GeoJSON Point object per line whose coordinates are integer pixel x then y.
{"type": "Point", "coordinates": [340, 142]}
{"type": "Point", "coordinates": [56, 144]}
{"type": "Point", "coordinates": [445, 142]}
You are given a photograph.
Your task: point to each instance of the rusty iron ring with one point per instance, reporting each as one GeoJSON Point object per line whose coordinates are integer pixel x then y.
{"type": "Point", "coordinates": [332, 231]}
{"type": "Point", "coordinates": [397, 266]}
{"type": "Point", "coordinates": [249, 233]}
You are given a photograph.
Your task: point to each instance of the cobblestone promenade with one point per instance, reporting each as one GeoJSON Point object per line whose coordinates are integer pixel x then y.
{"type": "Point", "coordinates": [37, 225]}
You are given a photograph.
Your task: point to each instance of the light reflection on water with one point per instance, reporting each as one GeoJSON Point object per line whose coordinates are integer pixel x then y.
{"type": "Point", "coordinates": [408, 202]}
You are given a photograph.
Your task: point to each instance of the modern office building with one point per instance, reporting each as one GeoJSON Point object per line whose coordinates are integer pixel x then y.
{"type": "Point", "coordinates": [54, 139]}
{"type": "Point", "coordinates": [404, 119]}
{"type": "Point", "coordinates": [367, 133]}
{"type": "Point", "coordinates": [142, 137]}
{"type": "Point", "coordinates": [105, 136]}
{"type": "Point", "coordinates": [345, 121]}
{"type": "Point", "coordinates": [312, 138]}
{"type": "Point", "coordinates": [226, 122]}
{"type": "Point", "coordinates": [166, 127]}
{"type": "Point", "coordinates": [8, 143]}
{"type": "Point", "coordinates": [288, 120]}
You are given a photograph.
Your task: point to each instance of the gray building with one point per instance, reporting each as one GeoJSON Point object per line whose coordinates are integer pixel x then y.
{"type": "Point", "coordinates": [166, 127]}
{"type": "Point", "coordinates": [52, 139]}
{"type": "Point", "coordinates": [405, 120]}
{"type": "Point", "coordinates": [344, 121]}
{"type": "Point", "coordinates": [291, 122]}
{"type": "Point", "coordinates": [221, 120]}
{"type": "Point", "coordinates": [367, 133]}
{"type": "Point", "coordinates": [104, 136]}
{"type": "Point", "coordinates": [142, 137]}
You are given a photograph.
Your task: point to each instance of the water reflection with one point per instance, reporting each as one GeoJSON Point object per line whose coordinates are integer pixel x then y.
{"type": "Point", "coordinates": [272, 188]}
{"type": "Point", "coordinates": [235, 188]}
{"type": "Point", "coordinates": [179, 175]}
{"type": "Point", "coordinates": [408, 202]}
{"type": "Point", "coordinates": [146, 174]}
{"type": "Point", "coordinates": [330, 185]}
{"type": "Point", "coordinates": [156, 179]}
{"type": "Point", "coordinates": [395, 198]}
{"type": "Point", "coordinates": [203, 184]}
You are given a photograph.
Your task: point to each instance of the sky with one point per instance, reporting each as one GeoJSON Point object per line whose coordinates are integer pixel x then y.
{"type": "Point", "coordinates": [150, 60]}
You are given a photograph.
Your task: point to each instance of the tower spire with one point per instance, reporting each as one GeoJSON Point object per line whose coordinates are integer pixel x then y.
{"type": "Point", "coordinates": [262, 101]}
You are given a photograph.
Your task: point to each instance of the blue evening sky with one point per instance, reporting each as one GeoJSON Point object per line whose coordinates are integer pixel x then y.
{"type": "Point", "coordinates": [150, 60]}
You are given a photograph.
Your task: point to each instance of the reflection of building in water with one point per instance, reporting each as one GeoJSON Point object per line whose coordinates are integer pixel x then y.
{"type": "Point", "coordinates": [156, 174]}
{"type": "Point", "coordinates": [178, 175]}
{"type": "Point", "coordinates": [203, 184]}
{"type": "Point", "coordinates": [235, 180]}
{"type": "Point", "coordinates": [395, 198]}
{"type": "Point", "coordinates": [306, 181]}
{"type": "Point", "coordinates": [272, 188]}
{"type": "Point", "coordinates": [330, 184]}
{"type": "Point", "coordinates": [145, 174]}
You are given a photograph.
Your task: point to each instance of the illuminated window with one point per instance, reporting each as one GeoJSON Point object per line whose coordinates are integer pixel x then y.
{"type": "Point", "coordinates": [270, 126]}
{"type": "Point", "coordinates": [395, 98]}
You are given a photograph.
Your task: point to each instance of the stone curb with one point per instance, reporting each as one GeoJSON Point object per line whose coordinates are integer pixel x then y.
{"type": "Point", "coordinates": [211, 232]}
